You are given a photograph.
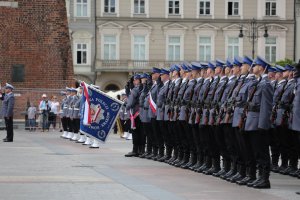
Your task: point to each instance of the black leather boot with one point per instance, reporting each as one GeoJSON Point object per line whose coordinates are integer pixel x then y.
{"type": "Point", "coordinates": [153, 154]}
{"type": "Point", "coordinates": [174, 157]}
{"type": "Point", "coordinates": [198, 163]}
{"type": "Point", "coordinates": [224, 170]}
{"type": "Point", "coordinates": [134, 151]}
{"type": "Point", "coordinates": [192, 161]}
{"type": "Point", "coordinates": [207, 164]}
{"type": "Point", "coordinates": [141, 150]}
{"type": "Point", "coordinates": [250, 176]}
{"type": "Point", "coordinates": [240, 175]}
{"type": "Point", "coordinates": [274, 166]}
{"type": "Point", "coordinates": [178, 159]}
{"type": "Point", "coordinates": [264, 183]}
{"type": "Point", "coordinates": [148, 151]}
{"type": "Point", "coordinates": [258, 179]}
{"type": "Point", "coordinates": [184, 161]}
{"type": "Point", "coordinates": [215, 167]}
{"type": "Point", "coordinates": [232, 171]}
{"type": "Point", "coordinates": [283, 166]}
{"type": "Point", "coordinates": [167, 156]}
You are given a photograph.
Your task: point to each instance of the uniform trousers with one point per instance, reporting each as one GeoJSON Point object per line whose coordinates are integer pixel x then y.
{"type": "Point", "coordinates": [137, 136]}
{"type": "Point", "coordinates": [293, 151]}
{"type": "Point", "coordinates": [69, 124]}
{"type": "Point", "coordinates": [219, 134]}
{"type": "Point", "coordinates": [276, 145]}
{"type": "Point", "coordinates": [64, 123]}
{"type": "Point", "coordinates": [183, 139]}
{"type": "Point", "coordinates": [213, 145]}
{"type": "Point", "coordinates": [161, 138]}
{"type": "Point", "coordinates": [283, 134]}
{"type": "Point", "coordinates": [231, 142]}
{"type": "Point", "coordinates": [246, 154]}
{"type": "Point", "coordinates": [260, 141]}
{"type": "Point", "coordinates": [147, 132]}
{"type": "Point", "coordinates": [155, 132]}
{"type": "Point", "coordinates": [169, 140]}
{"type": "Point", "coordinates": [9, 128]}
{"type": "Point", "coordinates": [76, 125]}
{"type": "Point", "coordinates": [204, 139]}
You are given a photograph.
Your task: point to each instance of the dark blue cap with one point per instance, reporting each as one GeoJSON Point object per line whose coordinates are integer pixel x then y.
{"type": "Point", "coordinates": [174, 67]}
{"type": "Point", "coordinates": [211, 65]}
{"type": "Point", "coordinates": [155, 70]}
{"type": "Point", "coordinates": [220, 63]}
{"type": "Point", "coordinates": [247, 60]}
{"type": "Point", "coordinates": [196, 66]}
{"type": "Point", "coordinates": [262, 62]}
{"type": "Point", "coordinates": [164, 71]}
{"type": "Point", "coordinates": [229, 63]}
{"type": "Point", "coordinates": [145, 75]}
{"type": "Point", "coordinates": [238, 61]}
{"type": "Point", "coordinates": [186, 67]}
{"type": "Point", "coordinates": [9, 86]}
{"type": "Point", "coordinates": [289, 67]}
{"type": "Point", "coordinates": [204, 65]}
{"type": "Point", "coordinates": [272, 69]}
{"type": "Point", "coordinates": [137, 76]}
{"type": "Point", "coordinates": [280, 68]}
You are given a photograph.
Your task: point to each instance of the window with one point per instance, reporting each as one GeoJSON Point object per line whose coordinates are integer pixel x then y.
{"type": "Point", "coordinates": [109, 6]}
{"type": "Point", "coordinates": [270, 49]}
{"type": "Point", "coordinates": [174, 7]}
{"type": "Point", "coordinates": [81, 53]}
{"type": "Point", "coordinates": [233, 8]}
{"type": "Point", "coordinates": [110, 47]}
{"type": "Point", "coordinates": [233, 47]}
{"type": "Point", "coordinates": [270, 8]}
{"type": "Point", "coordinates": [139, 6]}
{"type": "Point", "coordinates": [81, 8]}
{"type": "Point", "coordinates": [174, 48]}
{"type": "Point", "coordinates": [205, 48]}
{"type": "Point", "coordinates": [204, 7]}
{"type": "Point", "coordinates": [139, 47]}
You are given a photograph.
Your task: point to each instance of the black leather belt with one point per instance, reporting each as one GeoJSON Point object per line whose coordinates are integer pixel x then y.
{"type": "Point", "coordinates": [255, 108]}
{"type": "Point", "coordinates": [240, 104]}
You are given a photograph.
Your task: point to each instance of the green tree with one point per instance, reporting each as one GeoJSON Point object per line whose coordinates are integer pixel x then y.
{"type": "Point", "coordinates": [285, 62]}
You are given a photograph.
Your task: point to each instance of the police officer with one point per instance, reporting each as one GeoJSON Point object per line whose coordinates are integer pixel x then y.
{"type": "Point", "coordinates": [161, 100]}
{"type": "Point", "coordinates": [171, 140]}
{"type": "Point", "coordinates": [240, 96]}
{"type": "Point", "coordinates": [133, 107]}
{"type": "Point", "coordinates": [8, 104]}
{"type": "Point", "coordinates": [296, 104]}
{"type": "Point", "coordinates": [64, 116]}
{"type": "Point", "coordinates": [180, 139]}
{"type": "Point", "coordinates": [226, 121]}
{"type": "Point", "coordinates": [258, 122]}
{"type": "Point", "coordinates": [76, 116]}
{"type": "Point", "coordinates": [73, 99]}
{"type": "Point", "coordinates": [187, 137]}
{"type": "Point", "coordinates": [144, 114]}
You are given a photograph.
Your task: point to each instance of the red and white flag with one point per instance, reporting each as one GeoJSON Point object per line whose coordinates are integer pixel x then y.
{"type": "Point", "coordinates": [152, 104]}
{"type": "Point", "coordinates": [87, 119]}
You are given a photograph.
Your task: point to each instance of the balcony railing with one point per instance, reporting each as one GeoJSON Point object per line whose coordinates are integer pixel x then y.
{"type": "Point", "coordinates": [131, 65]}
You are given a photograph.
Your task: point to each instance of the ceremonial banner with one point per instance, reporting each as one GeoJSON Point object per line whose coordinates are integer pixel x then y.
{"type": "Point", "coordinates": [101, 111]}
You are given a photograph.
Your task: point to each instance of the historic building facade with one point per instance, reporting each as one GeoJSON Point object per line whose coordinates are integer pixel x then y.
{"type": "Point", "coordinates": [112, 39]}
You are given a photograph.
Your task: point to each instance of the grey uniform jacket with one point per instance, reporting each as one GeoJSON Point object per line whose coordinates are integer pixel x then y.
{"type": "Point", "coordinates": [296, 107]}
{"type": "Point", "coordinates": [262, 105]}
{"type": "Point", "coordinates": [209, 98]}
{"type": "Point", "coordinates": [284, 102]}
{"type": "Point", "coordinates": [65, 106]}
{"type": "Point", "coordinates": [76, 108]}
{"type": "Point", "coordinates": [161, 99]}
{"type": "Point", "coordinates": [200, 99]}
{"type": "Point", "coordinates": [186, 99]}
{"type": "Point", "coordinates": [241, 98]}
{"type": "Point", "coordinates": [174, 94]}
{"type": "Point", "coordinates": [8, 104]}
{"type": "Point", "coordinates": [217, 97]}
{"type": "Point", "coordinates": [153, 91]}
{"type": "Point", "coordinates": [232, 82]}
{"type": "Point", "coordinates": [168, 100]}
{"type": "Point", "coordinates": [143, 113]}
{"type": "Point", "coordinates": [71, 106]}
{"type": "Point", "coordinates": [197, 89]}
{"type": "Point", "coordinates": [133, 100]}
{"type": "Point", "coordinates": [179, 96]}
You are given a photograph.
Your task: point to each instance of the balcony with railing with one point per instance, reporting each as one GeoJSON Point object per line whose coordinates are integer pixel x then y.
{"type": "Point", "coordinates": [131, 65]}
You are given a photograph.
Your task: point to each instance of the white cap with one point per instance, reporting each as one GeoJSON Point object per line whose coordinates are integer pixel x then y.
{"type": "Point", "coordinates": [44, 95]}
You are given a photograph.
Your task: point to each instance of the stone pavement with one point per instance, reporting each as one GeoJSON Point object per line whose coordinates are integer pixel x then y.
{"type": "Point", "coordinates": [41, 166]}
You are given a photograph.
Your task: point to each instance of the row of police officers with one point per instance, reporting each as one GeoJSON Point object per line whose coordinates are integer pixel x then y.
{"type": "Point", "coordinates": [218, 118]}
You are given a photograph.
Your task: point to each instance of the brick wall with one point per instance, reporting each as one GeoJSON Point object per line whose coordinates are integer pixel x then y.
{"type": "Point", "coordinates": [35, 34]}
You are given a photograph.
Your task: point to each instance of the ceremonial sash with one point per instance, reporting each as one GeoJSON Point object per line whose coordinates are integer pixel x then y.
{"type": "Point", "coordinates": [87, 111]}
{"type": "Point", "coordinates": [132, 119]}
{"type": "Point", "coordinates": [152, 104]}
